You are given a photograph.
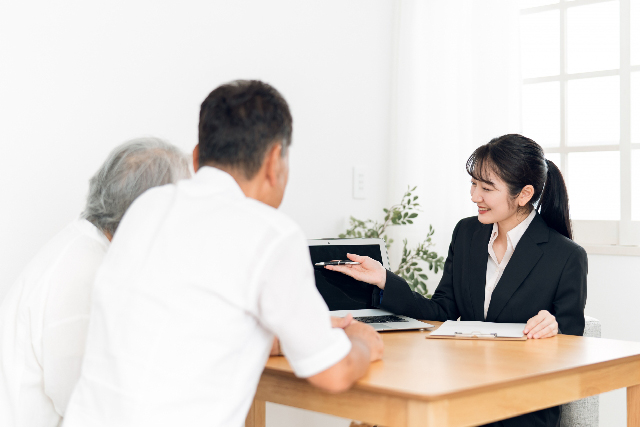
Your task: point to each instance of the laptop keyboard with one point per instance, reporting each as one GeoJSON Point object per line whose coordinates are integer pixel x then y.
{"type": "Point", "coordinates": [380, 319]}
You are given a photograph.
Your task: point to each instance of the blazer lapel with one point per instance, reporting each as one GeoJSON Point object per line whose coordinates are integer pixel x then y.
{"type": "Point", "coordinates": [524, 258]}
{"type": "Point", "coordinates": [477, 270]}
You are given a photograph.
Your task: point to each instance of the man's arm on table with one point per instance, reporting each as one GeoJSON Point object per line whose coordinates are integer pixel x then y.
{"type": "Point", "coordinates": [336, 322]}
{"type": "Point", "coordinates": [366, 347]}
{"type": "Point", "coordinates": [328, 358]}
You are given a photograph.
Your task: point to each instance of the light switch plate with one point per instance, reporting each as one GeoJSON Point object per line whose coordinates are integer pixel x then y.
{"type": "Point", "coordinates": [359, 183]}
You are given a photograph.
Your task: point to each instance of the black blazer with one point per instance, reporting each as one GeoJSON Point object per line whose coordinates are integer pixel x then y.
{"type": "Point", "coordinates": [547, 271]}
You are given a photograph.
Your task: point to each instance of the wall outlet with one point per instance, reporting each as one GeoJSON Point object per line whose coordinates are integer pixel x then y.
{"type": "Point", "coordinates": [359, 183]}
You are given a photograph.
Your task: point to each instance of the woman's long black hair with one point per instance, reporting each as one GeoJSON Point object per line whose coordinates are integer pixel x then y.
{"type": "Point", "coordinates": [519, 161]}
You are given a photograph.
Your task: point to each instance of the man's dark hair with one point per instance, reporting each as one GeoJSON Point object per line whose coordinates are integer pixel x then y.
{"type": "Point", "coordinates": [239, 122]}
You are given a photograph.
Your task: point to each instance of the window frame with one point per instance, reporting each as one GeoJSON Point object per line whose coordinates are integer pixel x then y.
{"type": "Point", "coordinates": [605, 237]}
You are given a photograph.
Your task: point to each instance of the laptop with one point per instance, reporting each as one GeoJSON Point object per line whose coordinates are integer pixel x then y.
{"type": "Point", "coordinates": [345, 295]}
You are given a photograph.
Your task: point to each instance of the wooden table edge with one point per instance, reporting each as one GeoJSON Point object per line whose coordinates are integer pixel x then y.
{"type": "Point", "coordinates": [464, 392]}
{"type": "Point", "coordinates": [455, 410]}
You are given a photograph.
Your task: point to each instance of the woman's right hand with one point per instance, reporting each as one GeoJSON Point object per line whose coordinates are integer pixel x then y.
{"type": "Point", "coordinates": [369, 270]}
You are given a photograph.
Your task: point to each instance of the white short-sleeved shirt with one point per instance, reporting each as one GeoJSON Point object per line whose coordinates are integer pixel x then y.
{"type": "Point", "coordinates": [196, 283]}
{"type": "Point", "coordinates": [43, 327]}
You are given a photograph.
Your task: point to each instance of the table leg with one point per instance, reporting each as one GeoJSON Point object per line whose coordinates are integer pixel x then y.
{"type": "Point", "coordinates": [257, 416]}
{"type": "Point", "coordinates": [633, 406]}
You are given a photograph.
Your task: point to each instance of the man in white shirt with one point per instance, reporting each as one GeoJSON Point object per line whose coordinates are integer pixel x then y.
{"type": "Point", "coordinates": [44, 317]}
{"type": "Point", "coordinates": [200, 278]}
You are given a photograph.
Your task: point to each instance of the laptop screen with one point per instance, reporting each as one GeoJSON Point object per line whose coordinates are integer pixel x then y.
{"type": "Point", "coordinates": [340, 291]}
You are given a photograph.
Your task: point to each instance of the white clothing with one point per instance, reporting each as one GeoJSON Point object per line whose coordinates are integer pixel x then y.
{"type": "Point", "coordinates": [196, 283]}
{"type": "Point", "coordinates": [495, 268]}
{"type": "Point", "coordinates": [43, 327]}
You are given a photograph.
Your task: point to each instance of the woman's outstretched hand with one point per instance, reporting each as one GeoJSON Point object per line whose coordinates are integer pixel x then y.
{"type": "Point", "coordinates": [542, 325]}
{"type": "Point", "coordinates": [369, 270]}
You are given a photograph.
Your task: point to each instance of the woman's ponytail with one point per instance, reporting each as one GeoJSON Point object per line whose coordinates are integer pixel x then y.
{"type": "Point", "coordinates": [554, 203]}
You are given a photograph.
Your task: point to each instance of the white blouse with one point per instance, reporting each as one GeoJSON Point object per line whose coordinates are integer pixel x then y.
{"type": "Point", "coordinates": [495, 268]}
{"type": "Point", "coordinates": [43, 327]}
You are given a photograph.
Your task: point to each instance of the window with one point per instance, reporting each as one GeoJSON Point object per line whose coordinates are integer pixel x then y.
{"type": "Point", "coordinates": [581, 102]}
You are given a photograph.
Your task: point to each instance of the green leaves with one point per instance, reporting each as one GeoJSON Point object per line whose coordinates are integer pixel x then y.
{"type": "Point", "coordinates": [402, 214]}
{"type": "Point", "coordinates": [410, 269]}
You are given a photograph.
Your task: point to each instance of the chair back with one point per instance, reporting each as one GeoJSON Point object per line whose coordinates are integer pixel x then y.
{"type": "Point", "coordinates": [583, 412]}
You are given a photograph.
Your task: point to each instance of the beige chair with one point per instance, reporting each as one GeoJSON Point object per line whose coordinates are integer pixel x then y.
{"type": "Point", "coordinates": [584, 412]}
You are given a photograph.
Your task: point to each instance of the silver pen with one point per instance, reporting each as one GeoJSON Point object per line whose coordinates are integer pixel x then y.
{"type": "Point", "coordinates": [321, 264]}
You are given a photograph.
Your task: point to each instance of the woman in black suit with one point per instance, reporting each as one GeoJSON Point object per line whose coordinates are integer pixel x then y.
{"type": "Point", "coordinates": [510, 264]}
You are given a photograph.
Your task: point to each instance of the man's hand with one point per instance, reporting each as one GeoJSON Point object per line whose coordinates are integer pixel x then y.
{"type": "Point", "coordinates": [542, 325]}
{"type": "Point", "coordinates": [366, 347]}
{"type": "Point", "coordinates": [358, 331]}
{"type": "Point", "coordinates": [341, 322]}
{"type": "Point", "coordinates": [336, 322]}
{"type": "Point", "coordinates": [369, 271]}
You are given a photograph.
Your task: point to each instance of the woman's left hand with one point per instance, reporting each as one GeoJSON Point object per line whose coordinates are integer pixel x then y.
{"type": "Point", "coordinates": [542, 325]}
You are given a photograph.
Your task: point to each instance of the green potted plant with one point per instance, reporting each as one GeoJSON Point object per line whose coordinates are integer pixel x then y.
{"type": "Point", "coordinates": [413, 260]}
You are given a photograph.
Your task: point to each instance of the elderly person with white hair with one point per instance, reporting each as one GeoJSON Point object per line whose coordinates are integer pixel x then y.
{"type": "Point", "coordinates": [45, 315]}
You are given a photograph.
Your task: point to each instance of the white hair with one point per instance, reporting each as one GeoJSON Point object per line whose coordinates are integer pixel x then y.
{"type": "Point", "coordinates": [130, 170]}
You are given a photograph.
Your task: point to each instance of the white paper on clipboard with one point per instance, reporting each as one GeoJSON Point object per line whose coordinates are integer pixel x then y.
{"type": "Point", "coordinates": [473, 329]}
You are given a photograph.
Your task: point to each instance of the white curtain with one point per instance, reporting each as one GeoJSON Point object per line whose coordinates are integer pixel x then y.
{"type": "Point", "coordinates": [456, 86]}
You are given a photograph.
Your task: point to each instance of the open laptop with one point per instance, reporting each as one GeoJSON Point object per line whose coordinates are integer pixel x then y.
{"type": "Point", "coordinates": [344, 294]}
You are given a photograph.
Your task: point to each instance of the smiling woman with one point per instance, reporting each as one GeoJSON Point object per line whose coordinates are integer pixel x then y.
{"type": "Point", "coordinates": [510, 264]}
{"type": "Point", "coordinates": [515, 166]}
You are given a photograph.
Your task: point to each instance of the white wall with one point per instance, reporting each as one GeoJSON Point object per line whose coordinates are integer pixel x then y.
{"type": "Point", "coordinates": [613, 297]}
{"type": "Point", "coordinates": [78, 78]}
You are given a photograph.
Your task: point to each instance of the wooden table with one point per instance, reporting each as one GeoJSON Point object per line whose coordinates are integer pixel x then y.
{"type": "Point", "coordinates": [440, 382]}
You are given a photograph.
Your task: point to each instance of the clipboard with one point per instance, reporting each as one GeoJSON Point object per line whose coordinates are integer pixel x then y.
{"type": "Point", "coordinates": [459, 330]}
